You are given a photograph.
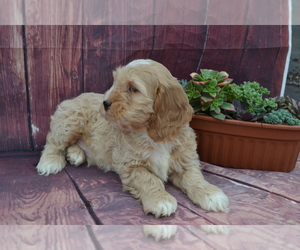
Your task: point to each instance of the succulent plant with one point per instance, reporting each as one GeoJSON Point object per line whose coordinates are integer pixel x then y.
{"type": "Point", "coordinates": [242, 112]}
{"type": "Point", "coordinates": [281, 116]}
{"type": "Point", "coordinates": [252, 94]}
{"type": "Point", "coordinates": [211, 93]}
{"type": "Point", "coordinates": [289, 104]}
{"type": "Point", "coordinates": [206, 95]}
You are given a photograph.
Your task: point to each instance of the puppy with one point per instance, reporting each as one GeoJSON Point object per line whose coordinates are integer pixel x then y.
{"type": "Point", "coordinates": [140, 129]}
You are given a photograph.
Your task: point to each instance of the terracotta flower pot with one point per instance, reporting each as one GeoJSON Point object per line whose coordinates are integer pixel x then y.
{"type": "Point", "coordinates": [247, 145]}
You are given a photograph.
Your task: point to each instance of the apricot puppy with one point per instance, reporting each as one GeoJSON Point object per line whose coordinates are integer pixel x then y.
{"type": "Point", "coordinates": [140, 129]}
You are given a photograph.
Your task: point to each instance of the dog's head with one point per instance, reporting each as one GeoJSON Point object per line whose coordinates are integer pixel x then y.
{"type": "Point", "coordinates": [145, 96]}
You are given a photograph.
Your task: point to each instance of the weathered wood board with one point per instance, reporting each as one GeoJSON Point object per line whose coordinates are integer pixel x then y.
{"type": "Point", "coordinates": [30, 199]}
{"type": "Point", "coordinates": [49, 64]}
{"type": "Point", "coordinates": [54, 59]}
{"type": "Point", "coordinates": [14, 128]}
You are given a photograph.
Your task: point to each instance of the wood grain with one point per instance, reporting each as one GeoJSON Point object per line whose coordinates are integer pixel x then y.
{"type": "Point", "coordinates": [107, 47]}
{"type": "Point", "coordinates": [248, 205]}
{"type": "Point", "coordinates": [280, 63]}
{"type": "Point", "coordinates": [258, 60]}
{"type": "Point", "coordinates": [14, 130]}
{"type": "Point", "coordinates": [54, 58]}
{"type": "Point", "coordinates": [113, 206]}
{"type": "Point", "coordinates": [287, 184]}
{"type": "Point", "coordinates": [116, 12]}
{"type": "Point", "coordinates": [45, 237]}
{"type": "Point", "coordinates": [232, 12]}
{"type": "Point", "coordinates": [177, 12]}
{"type": "Point", "coordinates": [179, 48]}
{"type": "Point", "coordinates": [55, 12]}
{"type": "Point", "coordinates": [248, 237]}
{"type": "Point", "coordinates": [27, 198]}
{"type": "Point", "coordinates": [224, 48]}
{"type": "Point", "coordinates": [12, 13]}
{"type": "Point", "coordinates": [132, 237]}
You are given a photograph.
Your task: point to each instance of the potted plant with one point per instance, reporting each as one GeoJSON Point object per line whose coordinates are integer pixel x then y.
{"type": "Point", "coordinates": [232, 123]}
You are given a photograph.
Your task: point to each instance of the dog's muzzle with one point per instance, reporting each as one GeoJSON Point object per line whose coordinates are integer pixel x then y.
{"type": "Point", "coordinates": [106, 105]}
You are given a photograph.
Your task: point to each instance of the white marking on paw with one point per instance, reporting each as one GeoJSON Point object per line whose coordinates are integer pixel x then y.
{"type": "Point", "coordinates": [160, 232]}
{"type": "Point", "coordinates": [217, 202]}
{"type": "Point", "coordinates": [51, 165]}
{"type": "Point", "coordinates": [163, 207]}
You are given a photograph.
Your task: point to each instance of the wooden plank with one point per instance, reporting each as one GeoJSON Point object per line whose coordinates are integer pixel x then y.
{"type": "Point", "coordinates": [224, 48]}
{"type": "Point", "coordinates": [177, 12]}
{"type": "Point", "coordinates": [248, 205]}
{"type": "Point", "coordinates": [55, 12]}
{"type": "Point", "coordinates": [260, 56]}
{"type": "Point", "coordinates": [13, 97]}
{"type": "Point", "coordinates": [249, 237]}
{"type": "Point", "coordinates": [45, 237]}
{"type": "Point", "coordinates": [113, 206]}
{"type": "Point", "coordinates": [283, 184]}
{"type": "Point", "coordinates": [106, 47]}
{"type": "Point", "coordinates": [230, 12]}
{"type": "Point", "coordinates": [118, 12]}
{"type": "Point", "coordinates": [28, 198]}
{"type": "Point", "coordinates": [12, 13]}
{"type": "Point", "coordinates": [281, 60]}
{"type": "Point", "coordinates": [179, 48]}
{"type": "Point", "coordinates": [133, 237]}
{"type": "Point", "coordinates": [54, 57]}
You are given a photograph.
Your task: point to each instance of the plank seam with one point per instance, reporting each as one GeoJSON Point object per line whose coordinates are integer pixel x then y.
{"type": "Point", "coordinates": [192, 211]}
{"type": "Point", "coordinates": [85, 201]}
{"type": "Point", "coordinates": [199, 237]}
{"type": "Point", "coordinates": [93, 237]}
{"type": "Point", "coordinates": [153, 41]}
{"type": "Point", "coordinates": [251, 185]}
{"type": "Point", "coordinates": [82, 57]}
{"type": "Point", "coordinates": [204, 48]}
{"type": "Point", "coordinates": [29, 119]}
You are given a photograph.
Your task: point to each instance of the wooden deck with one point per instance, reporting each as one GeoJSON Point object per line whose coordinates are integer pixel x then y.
{"type": "Point", "coordinates": [84, 208]}
{"type": "Point", "coordinates": [87, 196]}
{"type": "Point", "coordinates": [133, 237]}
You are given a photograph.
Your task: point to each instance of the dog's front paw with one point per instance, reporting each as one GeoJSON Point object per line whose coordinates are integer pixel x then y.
{"type": "Point", "coordinates": [215, 229]}
{"type": "Point", "coordinates": [161, 205]}
{"type": "Point", "coordinates": [210, 198]}
{"type": "Point", "coordinates": [75, 155]}
{"type": "Point", "coordinates": [51, 164]}
{"type": "Point", "coordinates": [160, 232]}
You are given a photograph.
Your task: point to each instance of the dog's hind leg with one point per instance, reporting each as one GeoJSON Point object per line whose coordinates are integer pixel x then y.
{"type": "Point", "coordinates": [67, 125]}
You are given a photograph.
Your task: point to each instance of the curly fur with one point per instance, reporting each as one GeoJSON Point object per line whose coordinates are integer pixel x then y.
{"type": "Point", "coordinates": [144, 136]}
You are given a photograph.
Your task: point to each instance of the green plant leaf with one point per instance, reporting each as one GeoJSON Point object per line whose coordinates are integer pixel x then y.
{"type": "Point", "coordinates": [218, 116]}
{"type": "Point", "coordinates": [205, 106]}
{"type": "Point", "coordinates": [206, 98]}
{"type": "Point", "coordinates": [222, 74]}
{"type": "Point", "coordinates": [228, 106]}
{"type": "Point", "coordinates": [209, 74]}
{"type": "Point", "coordinates": [215, 109]}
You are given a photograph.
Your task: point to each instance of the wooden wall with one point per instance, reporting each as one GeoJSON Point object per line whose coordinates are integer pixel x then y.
{"type": "Point", "coordinates": [40, 66]}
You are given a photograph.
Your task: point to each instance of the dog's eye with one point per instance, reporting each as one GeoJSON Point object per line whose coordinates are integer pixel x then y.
{"type": "Point", "coordinates": [132, 89]}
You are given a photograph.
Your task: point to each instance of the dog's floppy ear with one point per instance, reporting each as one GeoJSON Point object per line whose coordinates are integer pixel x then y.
{"type": "Point", "coordinates": [171, 111]}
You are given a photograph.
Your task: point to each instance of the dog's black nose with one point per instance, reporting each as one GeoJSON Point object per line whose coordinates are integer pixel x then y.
{"type": "Point", "coordinates": [106, 105]}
